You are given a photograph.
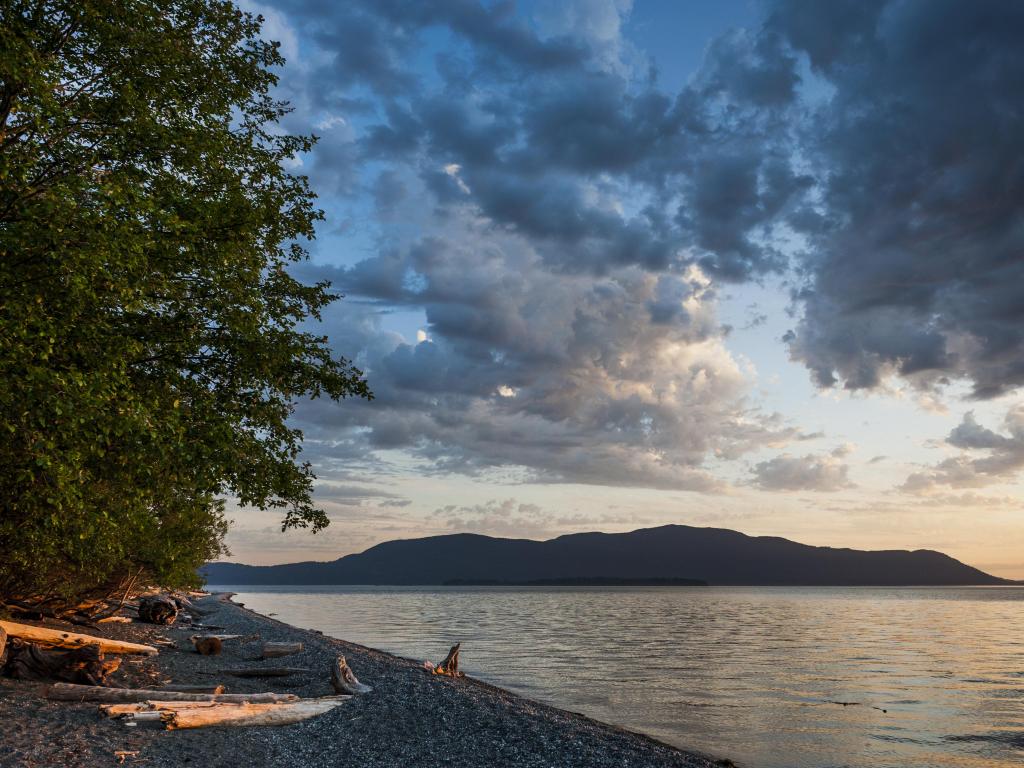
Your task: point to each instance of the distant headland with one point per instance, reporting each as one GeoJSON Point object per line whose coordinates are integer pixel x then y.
{"type": "Point", "coordinates": [667, 554]}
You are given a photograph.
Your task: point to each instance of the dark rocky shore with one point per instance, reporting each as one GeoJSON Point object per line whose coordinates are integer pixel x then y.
{"type": "Point", "coordinates": [411, 718]}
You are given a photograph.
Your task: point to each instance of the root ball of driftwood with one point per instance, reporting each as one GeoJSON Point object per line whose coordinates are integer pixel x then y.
{"type": "Point", "coordinates": [344, 680]}
{"type": "Point", "coordinates": [157, 609]}
{"type": "Point", "coordinates": [209, 646]}
{"type": "Point", "coordinates": [450, 665]}
{"type": "Point", "coordinates": [85, 665]}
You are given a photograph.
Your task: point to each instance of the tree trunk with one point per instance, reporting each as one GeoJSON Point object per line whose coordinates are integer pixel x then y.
{"type": "Point", "coordinates": [84, 665]}
{"type": "Point", "coordinates": [275, 650]}
{"type": "Point", "coordinates": [157, 609]}
{"type": "Point", "coordinates": [344, 680]}
{"type": "Point", "coordinates": [58, 637]}
{"type": "Point", "coordinates": [68, 692]}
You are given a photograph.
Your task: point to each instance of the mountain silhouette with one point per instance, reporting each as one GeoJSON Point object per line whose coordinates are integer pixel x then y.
{"type": "Point", "coordinates": [715, 555]}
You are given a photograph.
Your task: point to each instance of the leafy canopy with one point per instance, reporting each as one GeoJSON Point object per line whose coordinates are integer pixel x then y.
{"type": "Point", "coordinates": [151, 338]}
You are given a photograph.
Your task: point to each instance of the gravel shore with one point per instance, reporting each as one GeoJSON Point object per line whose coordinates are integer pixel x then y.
{"type": "Point", "coordinates": [411, 718]}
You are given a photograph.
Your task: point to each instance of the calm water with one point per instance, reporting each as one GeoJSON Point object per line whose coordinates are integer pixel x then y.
{"type": "Point", "coordinates": [746, 673]}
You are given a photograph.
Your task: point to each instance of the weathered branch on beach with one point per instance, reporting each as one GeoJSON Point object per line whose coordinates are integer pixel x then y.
{"type": "Point", "coordinates": [69, 692]}
{"type": "Point", "coordinates": [253, 714]}
{"type": "Point", "coordinates": [450, 665]}
{"type": "Point", "coordinates": [114, 620]}
{"type": "Point", "coordinates": [174, 687]}
{"type": "Point", "coordinates": [157, 609]}
{"type": "Point", "coordinates": [343, 679]}
{"type": "Point", "coordinates": [263, 671]}
{"type": "Point", "coordinates": [275, 650]}
{"type": "Point", "coordinates": [45, 636]}
{"type": "Point", "coordinates": [179, 715]}
{"type": "Point", "coordinates": [85, 665]}
{"type": "Point", "coordinates": [3, 643]}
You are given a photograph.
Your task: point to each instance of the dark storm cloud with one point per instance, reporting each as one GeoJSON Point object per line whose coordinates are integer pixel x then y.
{"type": "Point", "coordinates": [555, 142]}
{"type": "Point", "coordinates": [916, 257]}
{"type": "Point", "coordinates": [561, 225]}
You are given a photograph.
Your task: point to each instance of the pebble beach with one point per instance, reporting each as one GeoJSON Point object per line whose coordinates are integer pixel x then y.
{"type": "Point", "coordinates": [410, 718]}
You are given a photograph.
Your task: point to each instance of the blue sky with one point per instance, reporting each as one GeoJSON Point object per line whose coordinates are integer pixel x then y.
{"type": "Point", "coordinates": [611, 264]}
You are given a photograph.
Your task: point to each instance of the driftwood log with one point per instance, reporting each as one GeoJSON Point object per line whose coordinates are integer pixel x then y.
{"type": "Point", "coordinates": [85, 665]}
{"type": "Point", "coordinates": [3, 644]}
{"type": "Point", "coordinates": [450, 665]}
{"type": "Point", "coordinates": [208, 646]}
{"type": "Point", "coordinates": [222, 638]}
{"type": "Point", "coordinates": [44, 636]}
{"type": "Point", "coordinates": [157, 609]}
{"type": "Point", "coordinates": [174, 687]}
{"type": "Point", "coordinates": [68, 692]}
{"type": "Point", "coordinates": [275, 650]}
{"type": "Point", "coordinates": [343, 679]}
{"type": "Point", "coordinates": [178, 715]}
{"type": "Point", "coordinates": [263, 671]}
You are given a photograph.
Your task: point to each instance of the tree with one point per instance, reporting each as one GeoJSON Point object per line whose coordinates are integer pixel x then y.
{"type": "Point", "coordinates": [152, 343]}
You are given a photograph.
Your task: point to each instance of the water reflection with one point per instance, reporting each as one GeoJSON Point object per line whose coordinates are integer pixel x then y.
{"type": "Point", "coordinates": [771, 677]}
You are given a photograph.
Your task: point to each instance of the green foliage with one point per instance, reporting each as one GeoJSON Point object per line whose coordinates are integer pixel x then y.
{"type": "Point", "coordinates": [151, 339]}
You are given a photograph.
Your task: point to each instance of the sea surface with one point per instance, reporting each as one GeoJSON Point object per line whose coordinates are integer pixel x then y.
{"type": "Point", "coordinates": [768, 677]}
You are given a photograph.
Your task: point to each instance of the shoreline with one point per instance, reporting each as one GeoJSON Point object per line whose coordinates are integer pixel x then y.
{"type": "Point", "coordinates": [411, 718]}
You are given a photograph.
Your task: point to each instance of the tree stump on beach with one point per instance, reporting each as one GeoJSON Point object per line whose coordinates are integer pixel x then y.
{"type": "Point", "coordinates": [157, 609]}
{"type": "Point", "coordinates": [209, 646]}
{"type": "Point", "coordinates": [84, 666]}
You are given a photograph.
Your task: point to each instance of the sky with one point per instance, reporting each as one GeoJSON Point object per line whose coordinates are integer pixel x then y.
{"type": "Point", "coordinates": [613, 264]}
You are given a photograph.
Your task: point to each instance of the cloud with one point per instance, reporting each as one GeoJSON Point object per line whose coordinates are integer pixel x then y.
{"type": "Point", "coordinates": [614, 380]}
{"type": "Point", "coordinates": [986, 457]}
{"type": "Point", "coordinates": [822, 472]}
{"type": "Point", "coordinates": [558, 225]}
{"type": "Point", "coordinates": [515, 519]}
{"type": "Point", "coordinates": [913, 247]}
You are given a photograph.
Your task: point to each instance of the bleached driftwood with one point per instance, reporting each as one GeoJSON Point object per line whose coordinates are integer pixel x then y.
{"type": "Point", "coordinates": [263, 671]}
{"type": "Point", "coordinates": [344, 680]}
{"type": "Point", "coordinates": [58, 637]}
{"type": "Point", "coordinates": [253, 714]}
{"type": "Point", "coordinates": [114, 620]}
{"type": "Point", "coordinates": [196, 714]}
{"type": "Point", "coordinates": [275, 650]}
{"type": "Point", "coordinates": [69, 692]}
